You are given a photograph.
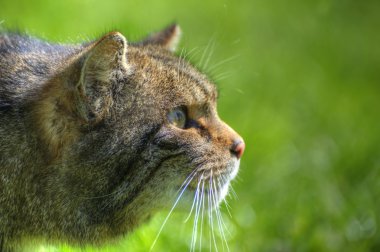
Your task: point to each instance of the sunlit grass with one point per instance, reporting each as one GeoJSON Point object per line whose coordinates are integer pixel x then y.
{"type": "Point", "coordinates": [303, 90]}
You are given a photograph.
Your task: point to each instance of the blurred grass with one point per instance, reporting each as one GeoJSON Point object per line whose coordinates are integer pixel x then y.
{"type": "Point", "coordinates": [302, 88]}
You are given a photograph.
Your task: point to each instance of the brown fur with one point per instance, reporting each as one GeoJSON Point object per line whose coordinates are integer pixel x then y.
{"type": "Point", "coordinates": [86, 149]}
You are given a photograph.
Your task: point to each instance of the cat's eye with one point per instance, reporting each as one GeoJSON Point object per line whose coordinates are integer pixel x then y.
{"type": "Point", "coordinates": [178, 117]}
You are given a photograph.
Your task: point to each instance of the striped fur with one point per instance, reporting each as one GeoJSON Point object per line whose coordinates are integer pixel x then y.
{"type": "Point", "coordinates": [86, 150]}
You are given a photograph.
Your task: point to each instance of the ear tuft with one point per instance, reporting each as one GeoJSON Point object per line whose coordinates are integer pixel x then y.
{"type": "Point", "coordinates": [168, 38]}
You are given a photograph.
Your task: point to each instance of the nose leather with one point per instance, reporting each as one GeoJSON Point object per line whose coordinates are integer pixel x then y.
{"type": "Point", "coordinates": [237, 148]}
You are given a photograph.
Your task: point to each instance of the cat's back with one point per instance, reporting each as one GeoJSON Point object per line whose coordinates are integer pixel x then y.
{"type": "Point", "coordinates": [26, 63]}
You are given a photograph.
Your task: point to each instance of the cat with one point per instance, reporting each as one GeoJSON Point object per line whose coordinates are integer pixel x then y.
{"type": "Point", "coordinates": [97, 137]}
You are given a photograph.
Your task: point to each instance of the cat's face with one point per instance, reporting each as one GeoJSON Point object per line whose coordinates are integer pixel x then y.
{"type": "Point", "coordinates": [156, 129]}
{"type": "Point", "coordinates": [193, 149]}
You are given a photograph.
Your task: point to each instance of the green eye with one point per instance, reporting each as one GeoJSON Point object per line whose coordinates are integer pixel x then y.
{"type": "Point", "coordinates": [177, 117]}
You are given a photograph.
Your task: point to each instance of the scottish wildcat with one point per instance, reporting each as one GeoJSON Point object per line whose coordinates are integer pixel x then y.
{"type": "Point", "coordinates": [96, 137]}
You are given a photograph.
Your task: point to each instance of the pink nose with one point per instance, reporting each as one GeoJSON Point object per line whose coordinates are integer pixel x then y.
{"type": "Point", "coordinates": [238, 148]}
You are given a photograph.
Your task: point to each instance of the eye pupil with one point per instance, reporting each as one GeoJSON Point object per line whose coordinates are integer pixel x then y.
{"type": "Point", "coordinates": [177, 117]}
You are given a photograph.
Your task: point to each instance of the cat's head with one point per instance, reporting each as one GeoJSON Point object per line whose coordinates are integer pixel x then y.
{"type": "Point", "coordinates": [149, 131]}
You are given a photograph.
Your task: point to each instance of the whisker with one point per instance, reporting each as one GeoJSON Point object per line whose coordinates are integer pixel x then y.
{"type": "Point", "coordinates": [210, 212]}
{"type": "Point", "coordinates": [190, 52]}
{"type": "Point", "coordinates": [203, 208]}
{"type": "Point", "coordinates": [192, 207]}
{"type": "Point", "coordinates": [217, 209]}
{"type": "Point", "coordinates": [196, 218]}
{"type": "Point", "coordinates": [201, 62]}
{"type": "Point", "coordinates": [194, 234]}
{"type": "Point", "coordinates": [209, 55]}
{"type": "Point", "coordinates": [233, 192]}
{"type": "Point", "coordinates": [214, 66]}
{"type": "Point", "coordinates": [225, 227]}
{"type": "Point", "coordinates": [190, 176]}
{"type": "Point", "coordinates": [171, 210]}
{"type": "Point", "coordinates": [209, 218]}
{"type": "Point", "coordinates": [196, 52]}
{"type": "Point", "coordinates": [223, 180]}
{"type": "Point", "coordinates": [199, 209]}
{"type": "Point", "coordinates": [222, 76]}
{"type": "Point", "coordinates": [228, 207]}
{"type": "Point", "coordinates": [219, 219]}
{"type": "Point", "coordinates": [194, 201]}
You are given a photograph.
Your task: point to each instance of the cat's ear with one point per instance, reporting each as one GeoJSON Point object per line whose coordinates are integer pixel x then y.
{"type": "Point", "coordinates": [104, 66]}
{"type": "Point", "coordinates": [167, 38]}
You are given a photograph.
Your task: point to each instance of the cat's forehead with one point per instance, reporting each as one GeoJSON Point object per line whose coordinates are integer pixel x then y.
{"type": "Point", "coordinates": [173, 76]}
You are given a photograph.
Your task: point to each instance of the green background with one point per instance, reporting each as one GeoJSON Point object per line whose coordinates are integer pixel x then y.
{"type": "Point", "coordinates": [299, 80]}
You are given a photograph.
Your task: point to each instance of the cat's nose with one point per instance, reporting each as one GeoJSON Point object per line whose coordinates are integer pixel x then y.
{"type": "Point", "coordinates": [237, 148]}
